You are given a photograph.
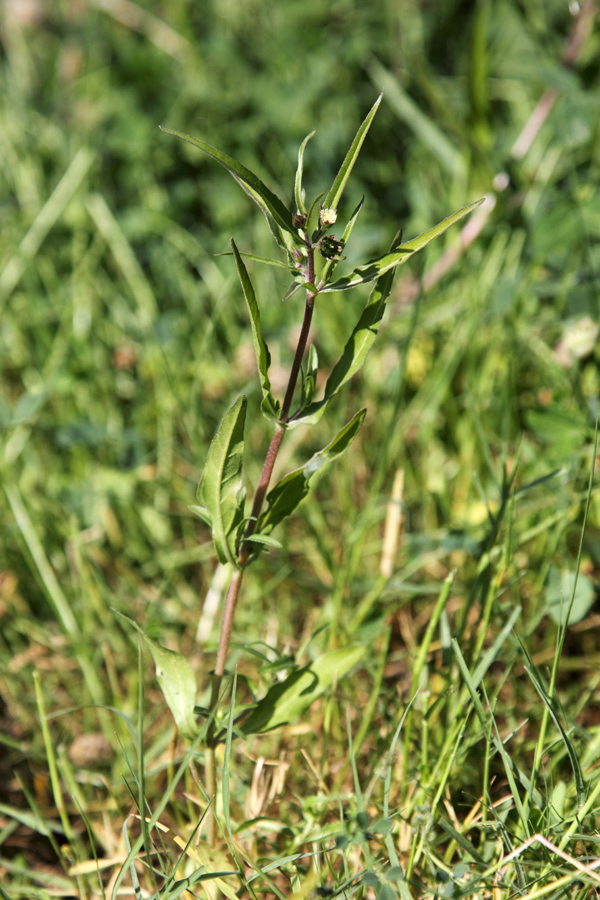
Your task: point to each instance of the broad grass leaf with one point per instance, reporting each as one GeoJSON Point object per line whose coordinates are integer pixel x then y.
{"type": "Point", "coordinates": [176, 679]}
{"type": "Point", "coordinates": [559, 590]}
{"type": "Point", "coordinates": [220, 491]}
{"type": "Point", "coordinates": [287, 494]}
{"type": "Point", "coordinates": [263, 357]}
{"type": "Point", "coordinates": [285, 703]}
{"type": "Point", "coordinates": [278, 216]}
{"type": "Point", "coordinates": [337, 188]}
{"type": "Point", "coordinates": [377, 267]}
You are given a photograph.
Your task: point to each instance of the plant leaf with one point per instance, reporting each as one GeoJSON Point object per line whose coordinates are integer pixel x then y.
{"type": "Point", "coordinates": [264, 539]}
{"type": "Point", "coordinates": [286, 701]}
{"type": "Point", "coordinates": [261, 259]}
{"type": "Point", "coordinates": [377, 267]}
{"type": "Point", "coordinates": [220, 492]}
{"type": "Point", "coordinates": [298, 192]}
{"type": "Point", "coordinates": [287, 494]}
{"type": "Point", "coordinates": [337, 188]}
{"type": "Point", "coordinates": [357, 346]}
{"type": "Point", "coordinates": [263, 357]}
{"type": "Point", "coordinates": [176, 679]}
{"type": "Point", "coordinates": [273, 208]}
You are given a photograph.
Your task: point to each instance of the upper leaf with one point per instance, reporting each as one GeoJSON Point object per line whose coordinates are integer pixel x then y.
{"type": "Point", "coordinates": [337, 188]}
{"type": "Point", "coordinates": [298, 191]}
{"type": "Point", "coordinates": [287, 494]}
{"type": "Point", "coordinates": [263, 357]}
{"type": "Point", "coordinates": [377, 267]}
{"type": "Point", "coordinates": [220, 490]}
{"type": "Point", "coordinates": [276, 212]}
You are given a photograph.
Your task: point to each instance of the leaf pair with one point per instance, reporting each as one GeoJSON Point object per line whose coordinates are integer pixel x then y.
{"type": "Point", "coordinates": [222, 497]}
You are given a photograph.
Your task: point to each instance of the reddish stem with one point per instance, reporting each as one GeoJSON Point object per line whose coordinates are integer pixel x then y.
{"type": "Point", "coordinates": [262, 488]}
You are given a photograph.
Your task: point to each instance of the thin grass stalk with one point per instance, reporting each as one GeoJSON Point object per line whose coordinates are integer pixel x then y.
{"type": "Point", "coordinates": [561, 635]}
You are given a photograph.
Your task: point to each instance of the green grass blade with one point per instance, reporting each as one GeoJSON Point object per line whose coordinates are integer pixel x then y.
{"type": "Point", "coordinates": [44, 222]}
{"type": "Point", "coordinates": [424, 128]}
{"type": "Point", "coordinates": [52, 588]}
{"type": "Point", "coordinates": [337, 188]}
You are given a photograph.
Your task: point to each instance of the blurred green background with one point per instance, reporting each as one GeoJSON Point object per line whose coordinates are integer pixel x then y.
{"type": "Point", "coordinates": [124, 336]}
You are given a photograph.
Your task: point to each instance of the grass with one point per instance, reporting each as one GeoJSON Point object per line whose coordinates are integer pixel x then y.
{"type": "Point", "coordinates": [459, 758]}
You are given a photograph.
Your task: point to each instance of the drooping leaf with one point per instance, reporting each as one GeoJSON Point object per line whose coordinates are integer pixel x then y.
{"type": "Point", "coordinates": [263, 357]}
{"type": "Point", "coordinates": [261, 259]}
{"type": "Point", "coordinates": [176, 679]}
{"type": "Point", "coordinates": [298, 191]}
{"type": "Point", "coordinates": [580, 786]}
{"type": "Point", "coordinates": [288, 493]}
{"type": "Point", "coordinates": [337, 188]}
{"type": "Point", "coordinates": [285, 702]}
{"type": "Point", "coordinates": [278, 216]}
{"type": "Point", "coordinates": [382, 264]}
{"type": "Point", "coordinates": [357, 346]}
{"type": "Point", "coordinates": [220, 492]}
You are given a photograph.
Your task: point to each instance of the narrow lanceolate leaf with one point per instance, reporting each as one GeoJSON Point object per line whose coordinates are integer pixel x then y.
{"type": "Point", "coordinates": [220, 492]}
{"type": "Point", "coordinates": [287, 494]}
{"type": "Point", "coordinates": [276, 212]}
{"type": "Point", "coordinates": [263, 357]}
{"type": "Point", "coordinates": [298, 191]}
{"type": "Point", "coordinates": [337, 188]}
{"type": "Point", "coordinates": [377, 267]}
{"type": "Point", "coordinates": [261, 259]}
{"type": "Point", "coordinates": [177, 682]}
{"type": "Point", "coordinates": [286, 702]}
{"type": "Point", "coordinates": [332, 263]}
{"type": "Point", "coordinates": [358, 345]}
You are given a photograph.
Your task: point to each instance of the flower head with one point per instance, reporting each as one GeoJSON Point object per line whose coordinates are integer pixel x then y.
{"type": "Point", "coordinates": [327, 217]}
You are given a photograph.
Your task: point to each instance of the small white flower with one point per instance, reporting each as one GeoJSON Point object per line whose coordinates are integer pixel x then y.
{"type": "Point", "coordinates": [327, 217]}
